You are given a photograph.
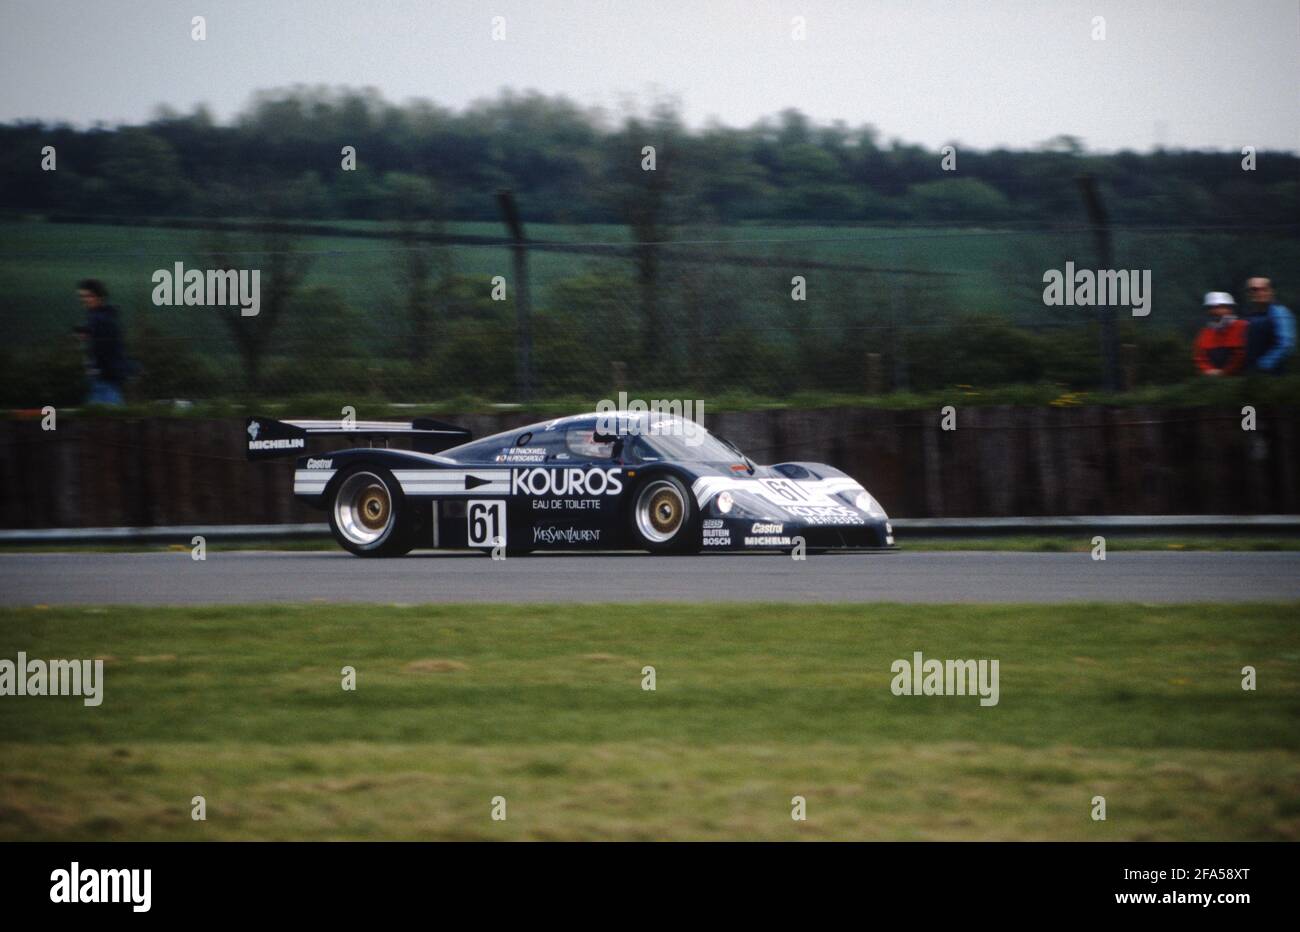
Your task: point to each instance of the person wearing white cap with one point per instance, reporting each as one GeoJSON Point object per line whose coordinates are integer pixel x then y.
{"type": "Point", "coordinates": [1221, 344]}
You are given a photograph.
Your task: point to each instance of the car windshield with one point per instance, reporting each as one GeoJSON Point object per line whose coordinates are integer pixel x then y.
{"type": "Point", "coordinates": [691, 444]}
{"type": "Point", "coordinates": [674, 439]}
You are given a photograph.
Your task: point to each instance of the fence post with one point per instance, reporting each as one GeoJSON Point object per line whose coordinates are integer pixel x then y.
{"type": "Point", "coordinates": [523, 306]}
{"type": "Point", "coordinates": [897, 340]}
{"type": "Point", "coordinates": [1128, 357]}
{"type": "Point", "coordinates": [875, 376]}
{"type": "Point", "coordinates": [1110, 375]}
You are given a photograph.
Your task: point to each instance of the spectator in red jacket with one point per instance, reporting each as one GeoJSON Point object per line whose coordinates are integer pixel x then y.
{"type": "Point", "coordinates": [1221, 344]}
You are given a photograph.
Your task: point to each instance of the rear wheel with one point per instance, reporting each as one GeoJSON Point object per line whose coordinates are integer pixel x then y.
{"type": "Point", "coordinates": [663, 516]}
{"type": "Point", "coordinates": [368, 514]}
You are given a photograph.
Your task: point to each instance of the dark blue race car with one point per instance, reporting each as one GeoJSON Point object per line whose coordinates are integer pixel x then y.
{"type": "Point", "coordinates": [620, 481]}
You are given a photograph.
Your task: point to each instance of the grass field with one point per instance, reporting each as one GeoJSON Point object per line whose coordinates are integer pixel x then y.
{"type": "Point", "coordinates": [41, 262]}
{"type": "Point", "coordinates": [1033, 543]}
{"type": "Point", "coordinates": [754, 704]}
{"type": "Point", "coordinates": [346, 341]}
{"type": "Point", "coordinates": [1016, 542]}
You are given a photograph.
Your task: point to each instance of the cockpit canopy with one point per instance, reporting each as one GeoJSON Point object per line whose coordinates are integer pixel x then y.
{"type": "Point", "coordinates": [625, 436]}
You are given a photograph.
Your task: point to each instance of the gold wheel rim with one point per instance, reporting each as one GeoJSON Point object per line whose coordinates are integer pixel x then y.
{"type": "Point", "coordinates": [363, 509]}
{"type": "Point", "coordinates": [372, 507]}
{"type": "Point", "coordinates": [660, 512]}
{"type": "Point", "coordinates": [665, 514]}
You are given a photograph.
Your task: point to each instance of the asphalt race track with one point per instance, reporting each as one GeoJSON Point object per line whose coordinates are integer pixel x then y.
{"type": "Point", "coordinates": [172, 578]}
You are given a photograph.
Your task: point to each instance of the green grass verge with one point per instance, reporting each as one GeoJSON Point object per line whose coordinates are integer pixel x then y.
{"type": "Point", "coordinates": [1192, 393]}
{"type": "Point", "coordinates": [313, 543]}
{"type": "Point", "coordinates": [1060, 544]}
{"type": "Point", "coordinates": [754, 704]}
{"type": "Point", "coordinates": [1021, 543]}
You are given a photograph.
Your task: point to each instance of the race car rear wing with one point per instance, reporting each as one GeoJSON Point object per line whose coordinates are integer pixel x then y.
{"type": "Point", "coordinates": [269, 438]}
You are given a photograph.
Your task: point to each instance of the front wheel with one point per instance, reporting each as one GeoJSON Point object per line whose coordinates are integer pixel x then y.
{"type": "Point", "coordinates": [368, 515]}
{"type": "Point", "coordinates": [663, 516]}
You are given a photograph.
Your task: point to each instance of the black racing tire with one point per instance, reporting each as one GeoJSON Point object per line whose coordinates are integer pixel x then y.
{"type": "Point", "coordinates": [664, 517]}
{"type": "Point", "coordinates": [367, 513]}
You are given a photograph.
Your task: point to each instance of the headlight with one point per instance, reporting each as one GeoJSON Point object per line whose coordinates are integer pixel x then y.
{"type": "Point", "coordinates": [865, 502]}
{"type": "Point", "coordinates": [725, 502]}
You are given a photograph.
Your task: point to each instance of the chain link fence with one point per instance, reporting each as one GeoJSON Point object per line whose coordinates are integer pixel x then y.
{"type": "Point", "coordinates": [416, 313]}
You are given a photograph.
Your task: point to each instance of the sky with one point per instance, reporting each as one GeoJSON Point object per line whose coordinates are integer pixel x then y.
{"type": "Point", "coordinates": [982, 73]}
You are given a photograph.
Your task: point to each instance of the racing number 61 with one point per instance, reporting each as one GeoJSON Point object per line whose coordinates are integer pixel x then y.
{"type": "Point", "coordinates": [786, 489]}
{"type": "Point", "coordinates": [487, 523]}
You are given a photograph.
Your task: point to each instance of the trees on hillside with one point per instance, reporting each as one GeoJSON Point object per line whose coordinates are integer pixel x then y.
{"type": "Point", "coordinates": [555, 156]}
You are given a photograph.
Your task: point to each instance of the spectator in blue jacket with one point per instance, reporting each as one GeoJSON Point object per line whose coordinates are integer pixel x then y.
{"type": "Point", "coordinates": [1271, 337]}
{"type": "Point", "coordinates": [105, 351]}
